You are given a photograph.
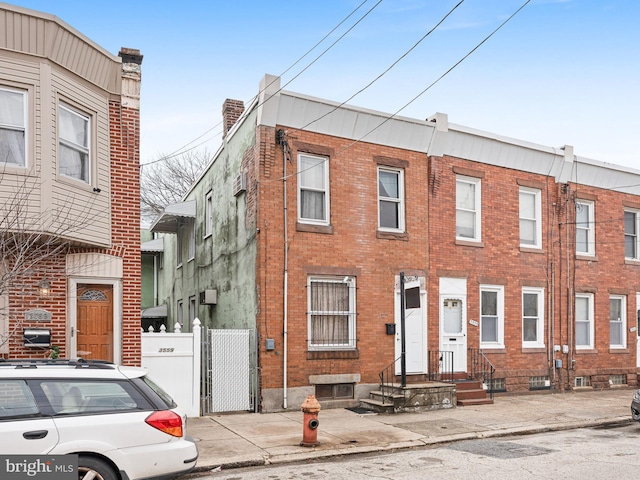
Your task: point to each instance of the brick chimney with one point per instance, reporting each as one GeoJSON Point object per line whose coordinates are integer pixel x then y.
{"type": "Point", "coordinates": [231, 111]}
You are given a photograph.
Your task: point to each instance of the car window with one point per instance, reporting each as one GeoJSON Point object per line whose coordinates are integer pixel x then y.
{"type": "Point", "coordinates": [166, 398]}
{"type": "Point", "coordinates": [16, 399]}
{"type": "Point", "coordinates": [73, 397]}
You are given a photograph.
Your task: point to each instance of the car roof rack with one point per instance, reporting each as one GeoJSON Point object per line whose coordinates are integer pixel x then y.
{"type": "Point", "coordinates": [74, 362]}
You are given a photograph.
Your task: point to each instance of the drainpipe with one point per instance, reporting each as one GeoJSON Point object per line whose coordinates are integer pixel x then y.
{"type": "Point", "coordinates": [281, 140]}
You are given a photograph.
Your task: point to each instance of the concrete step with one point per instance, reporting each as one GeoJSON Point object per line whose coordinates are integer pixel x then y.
{"type": "Point", "coordinates": [474, 401]}
{"type": "Point", "coordinates": [377, 405]}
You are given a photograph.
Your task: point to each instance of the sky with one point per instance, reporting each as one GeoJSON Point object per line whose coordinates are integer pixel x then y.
{"type": "Point", "coordinates": [558, 72]}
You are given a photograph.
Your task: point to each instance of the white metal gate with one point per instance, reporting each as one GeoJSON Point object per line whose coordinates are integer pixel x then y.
{"type": "Point", "coordinates": [229, 370]}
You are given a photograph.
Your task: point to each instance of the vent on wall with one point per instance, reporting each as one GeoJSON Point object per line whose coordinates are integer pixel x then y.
{"type": "Point", "coordinates": [209, 297]}
{"type": "Point", "coordinates": [239, 184]}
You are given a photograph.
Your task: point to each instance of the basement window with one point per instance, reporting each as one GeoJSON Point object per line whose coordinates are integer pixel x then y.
{"type": "Point", "coordinates": [336, 391]}
{"type": "Point", "coordinates": [498, 385]}
{"type": "Point", "coordinates": [618, 379]}
{"type": "Point", "coordinates": [539, 383]}
{"type": "Point", "coordinates": [582, 382]}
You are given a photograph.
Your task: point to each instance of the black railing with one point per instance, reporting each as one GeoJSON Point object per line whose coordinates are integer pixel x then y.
{"type": "Point", "coordinates": [387, 377]}
{"type": "Point", "coordinates": [481, 369]}
{"type": "Point", "coordinates": [440, 366]}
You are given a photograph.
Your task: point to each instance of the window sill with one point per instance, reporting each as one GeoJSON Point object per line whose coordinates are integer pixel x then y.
{"type": "Point", "coordinates": [493, 349]}
{"type": "Point", "coordinates": [531, 249]}
{"type": "Point", "coordinates": [586, 258]}
{"type": "Point", "coordinates": [333, 354]}
{"type": "Point", "coordinates": [392, 235]}
{"type": "Point", "coordinates": [631, 261]}
{"type": "Point", "coordinates": [618, 350]}
{"type": "Point", "coordinates": [536, 349]}
{"type": "Point", "coordinates": [307, 227]}
{"type": "Point", "coordinates": [469, 243]}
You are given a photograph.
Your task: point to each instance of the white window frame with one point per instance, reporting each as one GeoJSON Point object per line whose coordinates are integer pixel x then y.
{"type": "Point", "coordinates": [398, 201]}
{"type": "Point", "coordinates": [179, 243]}
{"type": "Point", "coordinates": [351, 283]}
{"type": "Point", "coordinates": [180, 312]}
{"type": "Point", "coordinates": [588, 229]}
{"type": "Point", "coordinates": [618, 323]}
{"type": "Point", "coordinates": [14, 127]}
{"type": "Point", "coordinates": [536, 218]}
{"type": "Point", "coordinates": [632, 238]}
{"type": "Point", "coordinates": [539, 342]}
{"type": "Point", "coordinates": [192, 240]}
{"type": "Point", "coordinates": [208, 214]}
{"type": "Point", "coordinates": [589, 321]}
{"type": "Point", "coordinates": [476, 210]}
{"type": "Point", "coordinates": [499, 341]}
{"type": "Point", "coordinates": [76, 147]}
{"type": "Point", "coordinates": [323, 164]}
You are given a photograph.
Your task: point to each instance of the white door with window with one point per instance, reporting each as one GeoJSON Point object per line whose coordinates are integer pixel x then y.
{"type": "Point", "coordinates": [637, 325]}
{"type": "Point", "coordinates": [415, 325]}
{"type": "Point", "coordinates": [453, 324]}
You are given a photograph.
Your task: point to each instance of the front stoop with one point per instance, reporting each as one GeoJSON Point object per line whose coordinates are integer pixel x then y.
{"type": "Point", "coordinates": [471, 392]}
{"type": "Point", "coordinates": [412, 398]}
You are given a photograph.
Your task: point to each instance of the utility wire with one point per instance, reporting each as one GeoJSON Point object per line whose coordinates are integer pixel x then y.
{"type": "Point", "coordinates": [438, 79]}
{"type": "Point", "coordinates": [181, 150]}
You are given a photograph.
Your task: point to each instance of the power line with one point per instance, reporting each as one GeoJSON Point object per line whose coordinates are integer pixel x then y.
{"type": "Point", "coordinates": [180, 151]}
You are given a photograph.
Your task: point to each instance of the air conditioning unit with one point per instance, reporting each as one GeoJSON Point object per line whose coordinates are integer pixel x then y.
{"type": "Point", "coordinates": [239, 184]}
{"type": "Point", "coordinates": [209, 297]}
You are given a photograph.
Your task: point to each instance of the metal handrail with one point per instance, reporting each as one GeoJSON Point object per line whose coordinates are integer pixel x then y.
{"type": "Point", "coordinates": [385, 384]}
{"type": "Point", "coordinates": [482, 369]}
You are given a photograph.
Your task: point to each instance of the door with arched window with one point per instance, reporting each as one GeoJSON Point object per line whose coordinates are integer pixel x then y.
{"type": "Point", "coordinates": [94, 322]}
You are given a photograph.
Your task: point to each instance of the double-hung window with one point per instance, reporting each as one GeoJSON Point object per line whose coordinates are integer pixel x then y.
{"type": "Point", "coordinates": [332, 312]}
{"type": "Point", "coordinates": [208, 214]}
{"type": "Point", "coordinates": [585, 234]}
{"type": "Point", "coordinates": [390, 199]}
{"type": "Point", "coordinates": [491, 316]}
{"type": "Point", "coordinates": [468, 210]}
{"type": "Point", "coordinates": [73, 135]}
{"type": "Point", "coordinates": [618, 321]}
{"type": "Point", "coordinates": [584, 321]}
{"type": "Point", "coordinates": [530, 218]}
{"type": "Point", "coordinates": [533, 317]}
{"type": "Point", "coordinates": [13, 127]}
{"type": "Point", "coordinates": [192, 239]}
{"type": "Point", "coordinates": [313, 189]}
{"type": "Point", "coordinates": [631, 237]}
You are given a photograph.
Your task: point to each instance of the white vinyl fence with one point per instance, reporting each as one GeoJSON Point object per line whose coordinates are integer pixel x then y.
{"type": "Point", "coordinates": [173, 362]}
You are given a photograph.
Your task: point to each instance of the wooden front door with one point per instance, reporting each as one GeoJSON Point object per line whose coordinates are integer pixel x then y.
{"type": "Point", "coordinates": [95, 322]}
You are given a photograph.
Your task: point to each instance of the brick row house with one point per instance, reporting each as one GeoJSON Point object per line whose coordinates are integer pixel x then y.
{"type": "Point", "coordinates": [69, 188]}
{"type": "Point", "coordinates": [313, 214]}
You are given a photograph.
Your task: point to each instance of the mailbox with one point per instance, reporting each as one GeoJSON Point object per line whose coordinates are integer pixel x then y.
{"type": "Point", "coordinates": [37, 337]}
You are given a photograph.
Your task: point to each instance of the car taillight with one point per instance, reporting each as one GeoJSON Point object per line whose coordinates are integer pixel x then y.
{"type": "Point", "coordinates": [166, 421]}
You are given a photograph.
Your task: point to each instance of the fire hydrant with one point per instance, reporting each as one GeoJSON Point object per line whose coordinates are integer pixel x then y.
{"type": "Point", "coordinates": [310, 423]}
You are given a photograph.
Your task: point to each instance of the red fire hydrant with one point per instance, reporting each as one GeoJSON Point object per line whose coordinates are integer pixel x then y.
{"type": "Point", "coordinates": [310, 422]}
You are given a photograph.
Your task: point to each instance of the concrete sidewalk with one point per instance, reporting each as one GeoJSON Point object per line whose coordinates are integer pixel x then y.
{"type": "Point", "coordinates": [248, 439]}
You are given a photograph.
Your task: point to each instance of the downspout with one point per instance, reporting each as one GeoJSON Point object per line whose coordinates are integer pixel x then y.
{"type": "Point", "coordinates": [281, 140]}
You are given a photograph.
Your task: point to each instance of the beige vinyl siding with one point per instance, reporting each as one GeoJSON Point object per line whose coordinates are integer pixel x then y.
{"type": "Point", "coordinates": [83, 76]}
{"type": "Point", "coordinates": [79, 198]}
{"type": "Point", "coordinates": [46, 36]}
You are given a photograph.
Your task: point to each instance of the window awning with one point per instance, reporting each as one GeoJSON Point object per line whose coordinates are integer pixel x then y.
{"type": "Point", "coordinates": [174, 216]}
{"type": "Point", "coordinates": [153, 246]}
{"type": "Point", "coordinates": [155, 312]}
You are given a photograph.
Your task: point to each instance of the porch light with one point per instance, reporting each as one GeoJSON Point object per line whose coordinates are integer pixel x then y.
{"type": "Point", "coordinates": [44, 288]}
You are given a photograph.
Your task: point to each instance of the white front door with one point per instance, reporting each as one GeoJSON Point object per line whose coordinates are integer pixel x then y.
{"type": "Point", "coordinates": [453, 323]}
{"type": "Point", "coordinates": [637, 325]}
{"type": "Point", "coordinates": [415, 326]}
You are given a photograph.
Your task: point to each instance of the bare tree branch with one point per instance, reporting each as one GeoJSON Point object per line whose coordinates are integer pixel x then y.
{"type": "Point", "coordinates": [165, 182]}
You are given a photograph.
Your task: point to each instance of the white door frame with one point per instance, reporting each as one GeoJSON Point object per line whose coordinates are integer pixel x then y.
{"type": "Point", "coordinates": [415, 329]}
{"type": "Point", "coordinates": [454, 289]}
{"type": "Point", "coordinates": [72, 305]}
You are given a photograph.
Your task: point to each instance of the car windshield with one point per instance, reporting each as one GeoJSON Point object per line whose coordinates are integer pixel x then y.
{"type": "Point", "coordinates": [161, 393]}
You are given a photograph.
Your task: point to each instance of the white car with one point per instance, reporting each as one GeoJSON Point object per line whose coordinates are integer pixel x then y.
{"type": "Point", "coordinates": [120, 424]}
